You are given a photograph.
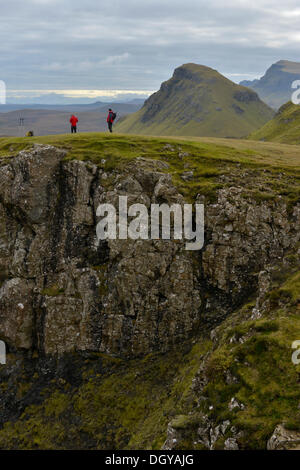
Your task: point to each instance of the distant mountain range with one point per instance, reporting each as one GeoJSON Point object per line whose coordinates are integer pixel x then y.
{"type": "Point", "coordinates": [124, 108]}
{"type": "Point", "coordinates": [199, 101]}
{"type": "Point", "coordinates": [274, 88]}
{"type": "Point", "coordinates": [51, 119]}
{"type": "Point", "coordinates": [196, 101]}
{"type": "Point", "coordinates": [60, 99]}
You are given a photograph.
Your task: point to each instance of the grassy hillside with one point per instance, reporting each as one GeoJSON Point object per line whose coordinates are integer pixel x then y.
{"type": "Point", "coordinates": [198, 101]}
{"type": "Point", "coordinates": [118, 148]}
{"type": "Point", "coordinates": [284, 127]}
{"type": "Point", "coordinates": [208, 158]}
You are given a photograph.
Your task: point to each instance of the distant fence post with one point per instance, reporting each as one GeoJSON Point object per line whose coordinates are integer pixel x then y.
{"type": "Point", "coordinates": [2, 352]}
{"type": "Point", "coordinates": [2, 92]}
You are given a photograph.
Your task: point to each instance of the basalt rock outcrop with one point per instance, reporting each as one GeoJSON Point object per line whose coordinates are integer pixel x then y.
{"type": "Point", "coordinates": [141, 343]}
{"type": "Point", "coordinates": [61, 291]}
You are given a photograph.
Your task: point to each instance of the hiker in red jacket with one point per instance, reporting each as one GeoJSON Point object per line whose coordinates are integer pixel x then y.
{"type": "Point", "coordinates": [110, 119]}
{"type": "Point", "coordinates": [73, 121]}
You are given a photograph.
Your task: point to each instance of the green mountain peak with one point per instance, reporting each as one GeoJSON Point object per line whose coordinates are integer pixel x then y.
{"type": "Point", "coordinates": [198, 101]}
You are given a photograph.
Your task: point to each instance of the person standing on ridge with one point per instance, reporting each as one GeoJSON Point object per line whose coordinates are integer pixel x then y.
{"type": "Point", "coordinates": [110, 119]}
{"type": "Point", "coordinates": [73, 121]}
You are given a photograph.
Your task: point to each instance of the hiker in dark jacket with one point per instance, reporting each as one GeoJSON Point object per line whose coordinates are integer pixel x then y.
{"type": "Point", "coordinates": [110, 119]}
{"type": "Point", "coordinates": [73, 121]}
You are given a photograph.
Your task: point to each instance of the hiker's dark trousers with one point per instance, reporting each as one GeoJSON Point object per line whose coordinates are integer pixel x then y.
{"type": "Point", "coordinates": [110, 126]}
{"type": "Point", "coordinates": [74, 129]}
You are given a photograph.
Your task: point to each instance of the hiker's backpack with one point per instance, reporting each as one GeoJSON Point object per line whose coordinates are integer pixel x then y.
{"type": "Point", "coordinates": [114, 115]}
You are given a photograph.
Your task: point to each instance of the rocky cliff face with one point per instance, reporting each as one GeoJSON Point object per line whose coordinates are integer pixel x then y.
{"type": "Point", "coordinates": [63, 293]}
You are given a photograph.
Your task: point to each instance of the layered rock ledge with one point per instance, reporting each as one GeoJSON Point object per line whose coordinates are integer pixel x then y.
{"type": "Point", "coordinates": [63, 292]}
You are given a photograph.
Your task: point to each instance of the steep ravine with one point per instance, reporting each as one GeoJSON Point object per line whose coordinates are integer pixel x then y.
{"type": "Point", "coordinates": [94, 332]}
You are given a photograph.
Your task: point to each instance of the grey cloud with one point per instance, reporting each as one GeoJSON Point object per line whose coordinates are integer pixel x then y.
{"type": "Point", "coordinates": [59, 44]}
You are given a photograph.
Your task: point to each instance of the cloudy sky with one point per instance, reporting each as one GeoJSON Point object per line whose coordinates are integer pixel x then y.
{"type": "Point", "coordinates": [94, 47]}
